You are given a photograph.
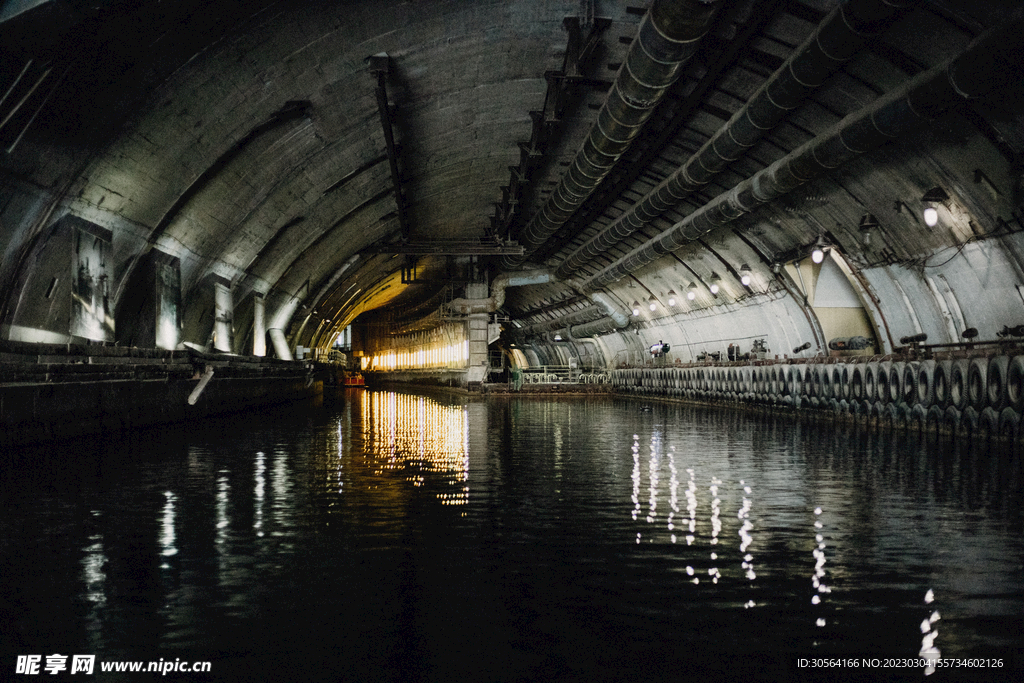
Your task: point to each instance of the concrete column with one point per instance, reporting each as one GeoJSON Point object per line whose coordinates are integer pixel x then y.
{"type": "Point", "coordinates": [280, 344]}
{"type": "Point", "coordinates": [223, 312]}
{"type": "Point", "coordinates": [259, 326]}
{"type": "Point", "coordinates": [477, 333]}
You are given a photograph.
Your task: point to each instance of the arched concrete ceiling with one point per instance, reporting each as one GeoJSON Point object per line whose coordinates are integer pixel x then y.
{"type": "Point", "coordinates": [246, 140]}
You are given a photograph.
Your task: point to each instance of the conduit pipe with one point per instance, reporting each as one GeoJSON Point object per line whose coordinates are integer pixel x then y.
{"type": "Point", "coordinates": [669, 35]}
{"type": "Point", "coordinates": [497, 298]}
{"type": "Point", "coordinates": [581, 316]}
{"type": "Point", "coordinates": [834, 42]}
{"type": "Point", "coordinates": [988, 62]}
{"type": "Point", "coordinates": [613, 320]}
{"type": "Point", "coordinates": [193, 397]}
{"type": "Point", "coordinates": [618, 317]}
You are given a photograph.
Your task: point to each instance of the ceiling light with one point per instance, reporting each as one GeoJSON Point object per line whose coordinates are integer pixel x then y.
{"type": "Point", "coordinates": [653, 303]}
{"type": "Point", "coordinates": [745, 275]}
{"type": "Point", "coordinates": [636, 308]}
{"type": "Point", "coordinates": [671, 298]}
{"type": "Point", "coordinates": [936, 195]}
{"type": "Point", "coordinates": [867, 223]}
{"type": "Point", "coordinates": [714, 283]}
{"type": "Point", "coordinates": [691, 292]}
{"type": "Point", "coordinates": [818, 252]}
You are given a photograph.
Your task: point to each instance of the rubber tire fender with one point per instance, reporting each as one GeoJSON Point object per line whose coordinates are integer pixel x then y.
{"type": "Point", "coordinates": [918, 418]}
{"type": "Point", "coordinates": [996, 381]}
{"type": "Point", "coordinates": [1015, 384]}
{"type": "Point", "coordinates": [988, 423]}
{"type": "Point", "coordinates": [1009, 423]}
{"type": "Point", "coordinates": [977, 385]}
{"type": "Point", "coordinates": [951, 418]}
{"type": "Point", "coordinates": [826, 382]}
{"type": "Point", "coordinates": [940, 383]}
{"type": "Point", "coordinates": [926, 383]}
{"type": "Point", "coordinates": [882, 382]}
{"type": "Point", "coordinates": [908, 388]}
{"type": "Point", "coordinates": [958, 386]}
{"type": "Point", "coordinates": [839, 381]}
{"type": "Point", "coordinates": [896, 382]}
{"type": "Point", "coordinates": [857, 382]}
{"type": "Point", "coordinates": [871, 382]}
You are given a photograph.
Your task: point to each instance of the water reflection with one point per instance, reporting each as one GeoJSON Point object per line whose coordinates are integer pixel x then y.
{"type": "Point", "coordinates": [419, 437]}
{"type": "Point", "coordinates": [335, 522]}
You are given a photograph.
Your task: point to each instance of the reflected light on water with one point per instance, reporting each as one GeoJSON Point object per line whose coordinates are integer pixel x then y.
{"type": "Point", "coordinates": [167, 527]}
{"type": "Point", "coordinates": [259, 494]}
{"type": "Point", "coordinates": [929, 633]}
{"type": "Point", "coordinates": [419, 437]}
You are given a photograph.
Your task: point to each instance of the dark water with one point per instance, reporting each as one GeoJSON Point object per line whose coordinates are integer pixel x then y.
{"type": "Point", "coordinates": [394, 537]}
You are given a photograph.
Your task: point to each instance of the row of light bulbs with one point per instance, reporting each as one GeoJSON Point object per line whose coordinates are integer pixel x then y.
{"type": "Point", "coordinates": [936, 195]}
{"type": "Point", "coordinates": [691, 290]}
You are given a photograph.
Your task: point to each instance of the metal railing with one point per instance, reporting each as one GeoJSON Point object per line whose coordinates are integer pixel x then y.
{"type": "Point", "coordinates": [562, 374]}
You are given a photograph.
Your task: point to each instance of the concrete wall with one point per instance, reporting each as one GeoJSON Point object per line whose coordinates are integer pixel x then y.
{"type": "Point", "coordinates": [60, 411]}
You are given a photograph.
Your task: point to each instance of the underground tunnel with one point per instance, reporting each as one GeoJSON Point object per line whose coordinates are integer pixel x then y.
{"type": "Point", "coordinates": [521, 340]}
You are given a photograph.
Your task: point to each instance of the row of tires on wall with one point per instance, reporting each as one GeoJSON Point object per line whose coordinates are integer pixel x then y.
{"type": "Point", "coordinates": [981, 394]}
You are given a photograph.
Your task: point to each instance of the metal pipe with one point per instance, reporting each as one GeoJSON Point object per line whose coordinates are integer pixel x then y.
{"type": "Point", "coordinates": [988, 62]}
{"type": "Point", "coordinates": [203, 381]}
{"type": "Point", "coordinates": [23, 100]}
{"type": "Point", "coordinates": [584, 315]}
{"type": "Point", "coordinates": [17, 80]}
{"type": "Point", "coordinates": [835, 41]}
{"type": "Point", "coordinates": [497, 298]}
{"type": "Point", "coordinates": [668, 36]}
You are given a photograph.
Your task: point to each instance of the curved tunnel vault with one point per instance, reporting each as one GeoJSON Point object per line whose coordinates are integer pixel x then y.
{"type": "Point", "coordinates": [206, 174]}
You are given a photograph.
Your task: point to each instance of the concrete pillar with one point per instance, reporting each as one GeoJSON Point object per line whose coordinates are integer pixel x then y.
{"type": "Point", "coordinates": [259, 326]}
{"type": "Point", "coordinates": [280, 344]}
{"type": "Point", "coordinates": [477, 335]}
{"type": "Point", "coordinates": [223, 311]}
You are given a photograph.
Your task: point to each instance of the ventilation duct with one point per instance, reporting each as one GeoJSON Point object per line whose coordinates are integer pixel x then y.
{"type": "Point", "coordinates": [836, 40]}
{"type": "Point", "coordinates": [989, 62]}
{"type": "Point", "coordinates": [669, 35]}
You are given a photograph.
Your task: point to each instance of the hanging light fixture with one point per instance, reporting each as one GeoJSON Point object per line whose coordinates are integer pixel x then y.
{"type": "Point", "coordinates": [691, 292]}
{"type": "Point", "coordinates": [714, 283]}
{"type": "Point", "coordinates": [745, 275]}
{"type": "Point", "coordinates": [818, 252]}
{"type": "Point", "coordinates": [652, 303]}
{"type": "Point", "coordinates": [671, 297]}
{"type": "Point", "coordinates": [867, 223]}
{"type": "Point", "coordinates": [936, 195]}
{"type": "Point", "coordinates": [636, 308]}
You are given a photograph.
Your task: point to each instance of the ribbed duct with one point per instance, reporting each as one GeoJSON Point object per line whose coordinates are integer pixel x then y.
{"type": "Point", "coordinates": [836, 40]}
{"type": "Point", "coordinates": [669, 35]}
{"type": "Point", "coordinates": [497, 298]}
{"type": "Point", "coordinates": [989, 62]}
{"type": "Point", "coordinates": [598, 327]}
{"type": "Point", "coordinates": [581, 316]}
